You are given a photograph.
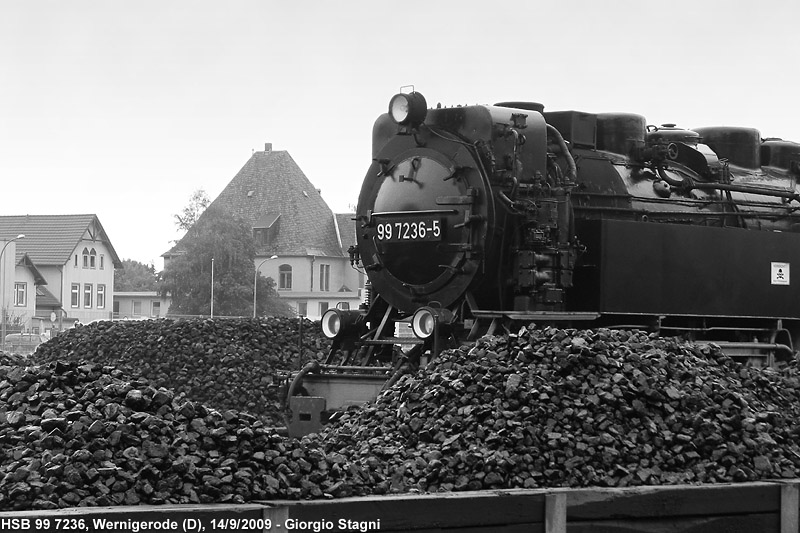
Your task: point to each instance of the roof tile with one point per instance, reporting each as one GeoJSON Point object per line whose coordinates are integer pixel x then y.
{"type": "Point", "coordinates": [50, 239]}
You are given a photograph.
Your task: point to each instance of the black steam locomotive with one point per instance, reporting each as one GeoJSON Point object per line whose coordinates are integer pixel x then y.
{"type": "Point", "coordinates": [471, 218]}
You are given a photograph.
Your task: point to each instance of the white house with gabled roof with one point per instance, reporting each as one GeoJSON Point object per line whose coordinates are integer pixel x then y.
{"type": "Point", "coordinates": [63, 270]}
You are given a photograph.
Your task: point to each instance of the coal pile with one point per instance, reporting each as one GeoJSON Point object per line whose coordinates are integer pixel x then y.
{"type": "Point", "coordinates": [566, 408]}
{"type": "Point", "coordinates": [224, 363]}
{"type": "Point", "coordinates": [79, 435]}
{"type": "Point", "coordinates": [8, 358]}
{"type": "Point", "coordinates": [540, 408]}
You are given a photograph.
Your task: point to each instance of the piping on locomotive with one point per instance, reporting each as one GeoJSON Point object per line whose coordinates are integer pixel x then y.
{"type": "Point", "coordinates": [471, 218]}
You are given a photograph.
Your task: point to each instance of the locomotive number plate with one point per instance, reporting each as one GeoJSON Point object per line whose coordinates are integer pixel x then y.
{"type": "Point", "coordinates": [418, 229]}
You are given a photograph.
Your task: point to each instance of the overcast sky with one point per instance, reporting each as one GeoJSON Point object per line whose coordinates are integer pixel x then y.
{"type": "Point", "coordinates": [124, 109]}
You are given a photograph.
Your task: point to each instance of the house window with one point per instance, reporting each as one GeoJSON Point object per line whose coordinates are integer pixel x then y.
{"type": "Point", "coordinates": [155, 309]}
{"type": "Point", "coordinates": [324, 277]}
{"type": "Point", "coordinates": [75, 295]}
{"type": "Point", "coordinates": [102, 262]}
{"type": "Point", "coordinates": [85, 258]}
{"type": "Point", "coordinates": [87, 295]}
{"type": "Point", "coordinates": [92, 259]}
{"type": "Point", "coordinates": [137, 308]}
{"type": "Point", "coordinates": [344, 306]}
{"type": "Point", "coordinates": [101, 296]}
{"type": "Point", "coordinates": [76, 260]}
{"type": "Point", "coordinates": [20, 293]}
{"type": "Point", "coordinates": [285, 277]}
{"type": "Point", "coordinates": [323, 306]}
{"type": "Point", "coordinates": [302, 308]}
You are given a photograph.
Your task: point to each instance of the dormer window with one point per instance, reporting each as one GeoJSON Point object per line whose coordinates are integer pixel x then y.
{"type": "Point", "coordinates": [92, 259]}
{"type": "Point", "coordinates": [265, 230]}
{"type": "Point", "coordinates": [85, 255]}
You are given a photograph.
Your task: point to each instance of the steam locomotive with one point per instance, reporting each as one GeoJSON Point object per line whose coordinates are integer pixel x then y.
{"type": "Point", "coordinates": [472, 218]}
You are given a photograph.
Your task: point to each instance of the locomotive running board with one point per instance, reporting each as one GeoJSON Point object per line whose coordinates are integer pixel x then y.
{"type": "Point", "coordinates": [546, 316]}
{"type": "Point", "coordinates": [497, 317]}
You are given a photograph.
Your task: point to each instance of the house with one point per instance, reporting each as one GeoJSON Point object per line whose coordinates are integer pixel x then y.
{"type": "Point", "coordinates": [300, 243]}
{"type": "Point", "coordinates": [139, 304]}
{"type": "Point", "coordinates": [63, 271]}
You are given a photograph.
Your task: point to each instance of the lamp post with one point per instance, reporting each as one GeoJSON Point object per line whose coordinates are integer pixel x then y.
{"type": "Point", "coordinates": [3, 291]}
{"type": "Point", "coordinates": [255, 281]}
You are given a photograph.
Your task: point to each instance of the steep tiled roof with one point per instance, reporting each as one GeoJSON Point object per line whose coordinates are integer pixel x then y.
{"type": "Point", "coordinates": [271, 184]}
{"type": "Point", "coordinates": [26, 260]}
{"type": "Point", "coordinates": [45, 298]}
{"type": "Point", "coordinates": [347, 229]}
{"type": "Point", "coordinates": [50, 239]}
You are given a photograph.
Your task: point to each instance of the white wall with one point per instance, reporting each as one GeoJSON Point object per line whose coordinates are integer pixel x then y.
{"type": "Point", "coordinates": [306, 283]}
{"type": "Point", "coordinates": [7, 274]}
{"type": "Point", "coordinates": [83, 276]}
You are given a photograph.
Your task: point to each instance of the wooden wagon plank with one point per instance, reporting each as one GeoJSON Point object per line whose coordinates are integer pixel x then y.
{"type": "Point", "coordinates": [555, 513]}
{"type": "Point", "coordinates": [790, 508]}
{"type": "Point", "coordinates": [673, 501]}
{"type": "Point", "coordinates": [419, 512]}
{"type": "Point", "coordinates": [90, 519]}
{"type": "Point", "coordinates": [516, 528]}
{"type": "Point", "coordinates": [756, 523]}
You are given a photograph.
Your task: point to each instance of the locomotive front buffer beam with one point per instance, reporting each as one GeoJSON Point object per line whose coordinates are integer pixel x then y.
{"type": "Point", "coordinates": [319, 390]}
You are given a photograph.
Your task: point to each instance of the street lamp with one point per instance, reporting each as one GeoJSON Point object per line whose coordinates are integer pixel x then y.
{"type": "Point", "coordinates": [255, 281]}
{"type": "Point", "coordinates": [3, 290]}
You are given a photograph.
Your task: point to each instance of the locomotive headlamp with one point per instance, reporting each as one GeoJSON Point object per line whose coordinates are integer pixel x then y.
{"type": "Point", "coordinates": [423, 323]}
{"type": "Point", "coordinates": [331, 323]}
{"type": "Point", "coordinates": [336, 321]}
{"type": "Point", "coordinates": [408, 109]}
{"type": "Point", "coordinates": [426, 319]}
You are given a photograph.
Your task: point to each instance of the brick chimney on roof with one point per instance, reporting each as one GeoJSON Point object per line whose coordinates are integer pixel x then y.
{"type": "Point", "coordinates": [267, 147]}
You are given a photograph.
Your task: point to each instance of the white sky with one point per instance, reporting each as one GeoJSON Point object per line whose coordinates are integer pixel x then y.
{"type": "Point", "coordinates": [123, 109]}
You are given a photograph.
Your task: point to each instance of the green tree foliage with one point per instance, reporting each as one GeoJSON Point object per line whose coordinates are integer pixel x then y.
{"type": "Point", "coordinates": [198, 203]}
{"type": "Point", "coordinates": [135, 276]}
{"type": "Point", "coordinates": [229, 242]}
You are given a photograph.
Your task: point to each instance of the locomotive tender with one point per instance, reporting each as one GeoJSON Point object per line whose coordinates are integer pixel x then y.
{"type": "Point", "coordinates": [473, 217]}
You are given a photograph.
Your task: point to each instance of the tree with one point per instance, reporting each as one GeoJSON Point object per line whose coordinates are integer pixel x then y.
{"type": "Point", "coordinates": [269, 303]}
{"type": "Point", "coordinates": [227, 241]}
{"type": "Point", "coordinates": [198, 203]}
{"type": "Point", "coordinates": [135, 276]}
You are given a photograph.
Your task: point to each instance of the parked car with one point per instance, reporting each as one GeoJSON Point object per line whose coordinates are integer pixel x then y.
{"type": "Point", "coordinates": [24, 343]}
